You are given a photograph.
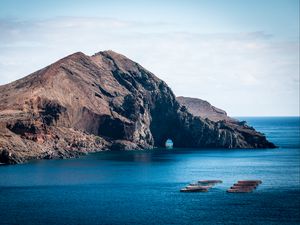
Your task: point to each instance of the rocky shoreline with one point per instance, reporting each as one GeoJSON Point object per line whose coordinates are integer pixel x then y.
{"type": "Point", "coordinates": [83, 104]}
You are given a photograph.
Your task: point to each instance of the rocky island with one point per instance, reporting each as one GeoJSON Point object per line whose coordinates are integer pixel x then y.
{"type": "Point", "coordinates": [83, 104]}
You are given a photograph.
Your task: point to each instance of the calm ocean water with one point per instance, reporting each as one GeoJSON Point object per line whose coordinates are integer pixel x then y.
{"type": "Point", "coordinates": [142, 187]}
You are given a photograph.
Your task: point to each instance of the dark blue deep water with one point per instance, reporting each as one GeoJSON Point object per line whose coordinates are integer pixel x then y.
{"type": "Point", "coordinates": [142, 187]}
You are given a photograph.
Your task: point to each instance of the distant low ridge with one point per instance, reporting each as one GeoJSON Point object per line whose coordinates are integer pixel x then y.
{"type": "Point", "coordinates": [204, 109]}
{"type": "Point", "coordinates": [83, 104]}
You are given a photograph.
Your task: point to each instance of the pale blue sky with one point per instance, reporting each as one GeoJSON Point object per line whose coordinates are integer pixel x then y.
{"type": "Point", "coordinates": [272, 16]}
{"type": "Point", "coordinates": [242, 56]}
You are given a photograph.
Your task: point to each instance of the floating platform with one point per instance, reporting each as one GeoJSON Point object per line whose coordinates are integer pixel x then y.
{"type": "Point", "coordinates": [194, 189]}
{"type": "Point", "coordinates": [249, 181]}
{"type": "Point", "coordinates": [200, 186]}
{"type": "Point", "coordinates": [239, 190]}
{"type": "Point", "coordinates": [212, 182]}
{"type": "Point", "coordinates": [244, 186]}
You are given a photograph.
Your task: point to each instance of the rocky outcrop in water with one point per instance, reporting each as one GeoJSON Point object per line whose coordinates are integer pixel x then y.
{"type": "Point", "coordinates": [203, 109]}
{"type": "Point", "coordinates": [84, 103]}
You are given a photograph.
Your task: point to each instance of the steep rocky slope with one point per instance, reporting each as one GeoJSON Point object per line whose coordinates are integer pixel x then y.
{"type": "Point", "coordinates": [203, 109]}
{"type": "Point", "coordinates": [106, 101]}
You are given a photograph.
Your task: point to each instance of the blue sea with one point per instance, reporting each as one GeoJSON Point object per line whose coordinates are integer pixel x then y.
{"type": "Point", "coordinates": [142, 187]}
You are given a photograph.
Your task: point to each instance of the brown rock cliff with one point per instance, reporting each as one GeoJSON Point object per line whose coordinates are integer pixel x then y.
{"type": "Point", "coordinates": [83, 103]}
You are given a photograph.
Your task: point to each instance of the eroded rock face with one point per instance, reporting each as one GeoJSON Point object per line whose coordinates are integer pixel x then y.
{"type": "Point", "coordinates": [106, 101]}
{"type": "Point", "coordinates": [203, 109]}
{"type": "Point", "coordinates": [233, 133]}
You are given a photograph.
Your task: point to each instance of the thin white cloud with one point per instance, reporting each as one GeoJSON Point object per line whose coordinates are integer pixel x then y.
{"type": "Point", "coordinates": [224, 68]}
